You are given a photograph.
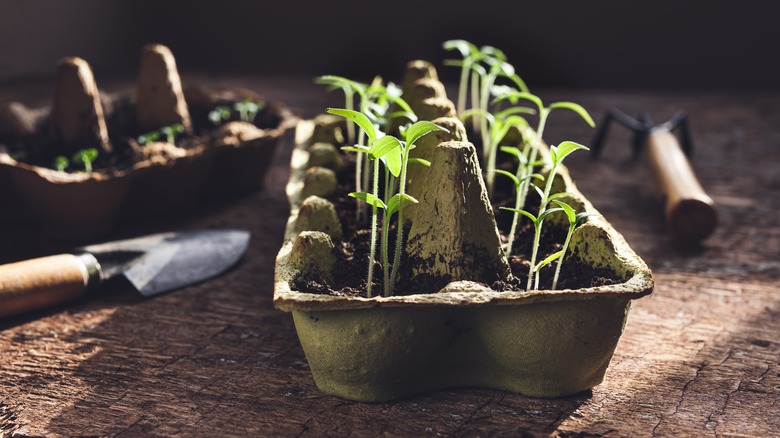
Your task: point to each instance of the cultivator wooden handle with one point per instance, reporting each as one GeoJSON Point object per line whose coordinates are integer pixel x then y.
{"type": "Point", "coordinates": [691, 214]}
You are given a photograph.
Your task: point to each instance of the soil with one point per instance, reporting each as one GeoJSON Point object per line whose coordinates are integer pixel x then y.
{"type": "Point", "coordinates": [352, 252]}
{"type": "Point", "coordinates": [41, 148]}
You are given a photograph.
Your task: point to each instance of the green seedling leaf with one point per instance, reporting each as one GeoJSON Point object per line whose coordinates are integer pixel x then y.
{"type": "Point", "coordinates": [564, 149]}
{"type": "Point", "coordinates": [85, 157]}
{"type": "Point", "coordinates": [219, 114]}
{"type": "Point", "coordinates": [492, 53]}
{"type": "Point", "coordinates": [525, 96]}
{"type": "Point", "coordinates": [519, 82]}
{"type": "Point", "coordinates": [341, 82]}
{"type": "Point", "coordinates": [551, 258]}
{"type": "Point", "coordinates": [393, 160]}
{"type": "Point", "coordinates": [548, 212]}
{"type": "Point", "coordinates": [369, 199]}
{"type": "Point", "coordinates": [399, 114]}
{"type": "Point", "coordinates": [570, 213]}
{"type": "Point", "coordinates": [61, 163]}
{"type": "Point", "coordinates": [359, 118]}
{"type": "Point", "coordinates": [419, 129]}
{"type": "Point", "coordinates": [465, 48]}
{"type": "Point", "coordinates": [581, 217]}
{"type": "Point", "coordinates": [148, 138]}
{"type": "Point", "coordinates": [577, 109]}
{"type": "Point", "coordinates": [538, 176]}
{"type": "Point", "coordinates": [509, 175]}
{"type": "Point", "coordinates": [523, 212]}
{"type": "Point", "coordinates": [558, 196]}
{"type": "Point", "coordinates": [538, 190]}
{"type": "Point", "coordinates": [421, 161]}
{"type": "Point", "coordinates": [398, 202]}
{"type": "Point", "coordinates": [357, 148]}
{"type": "Point", "coordinates": [402, 103]}
{"type": "Point", "coordinates": [513, 150]}
{"type": "Point", "coordinates": [515, 110]}
{"type": "Point", "coordinates": [471, 112]}
{"type": "Point", "coordinates": [383, 146]}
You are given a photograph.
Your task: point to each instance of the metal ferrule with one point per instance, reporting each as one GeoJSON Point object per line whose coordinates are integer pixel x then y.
{"type": "Point", "coordinates": [92, 269]}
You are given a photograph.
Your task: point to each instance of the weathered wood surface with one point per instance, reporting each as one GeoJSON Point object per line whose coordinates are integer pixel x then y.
{"type": "Point", "coordinates": [699, 357]}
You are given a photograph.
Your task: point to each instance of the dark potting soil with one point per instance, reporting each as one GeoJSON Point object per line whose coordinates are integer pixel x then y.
{"type": "Point", "coordinates": [352, 253]}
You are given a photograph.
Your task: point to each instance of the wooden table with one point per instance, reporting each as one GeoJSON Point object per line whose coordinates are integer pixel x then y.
{"type": "Point", "coordinates": [698, 357]}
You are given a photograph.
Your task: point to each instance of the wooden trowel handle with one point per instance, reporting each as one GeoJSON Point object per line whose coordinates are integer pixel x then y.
{"type": "Point", "coordinates": [690, 213]}
{"type": "Point", "coordinates": [47, 281]}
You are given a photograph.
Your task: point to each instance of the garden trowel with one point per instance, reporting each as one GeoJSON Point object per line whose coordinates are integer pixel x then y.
{"type": "Point", "coordinates": [152, 264]}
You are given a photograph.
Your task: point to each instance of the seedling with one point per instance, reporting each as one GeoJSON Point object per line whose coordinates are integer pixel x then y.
{"type": "Point", "coordinates": [248, 109]}
{"type": "Point", "coordinates": [394, 153]}
{"type": "Point", "coordinates": [169, 132]}
{"type": "Point", "coordinates": [61, 163]}
{"type": "Point", "coordinates": [349, 87]}
{"type": "Point", "coordinates": [557, 155]}
{"type": "Point", "coordinates": [220, 115]}
{"type": "Point", "coordinates": [471, 55]}
{"type": "Point", "coordinates": [149, 137]}
{"type": "Point", "coordinates": [85, 157]}
{"type": "Point", "coordinates": [498, 127]}
{"type": "Point", "coordinates": [528, 161]}
{"type": "Point", "coordinates": [375, 101]}
{"type": "Point", "coordinates": [574, 219]}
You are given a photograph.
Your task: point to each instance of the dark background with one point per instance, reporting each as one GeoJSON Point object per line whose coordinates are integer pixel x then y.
{"type": "Point", "coordinates": [612, 44]}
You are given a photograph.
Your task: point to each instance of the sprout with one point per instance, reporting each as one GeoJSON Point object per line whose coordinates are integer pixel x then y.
{"type": "Point", "coordinates": [61, 163]}
{"type": "Point", "coordinates": [85, 157]}
{"type": "Point", "coordinates": [219, 115]}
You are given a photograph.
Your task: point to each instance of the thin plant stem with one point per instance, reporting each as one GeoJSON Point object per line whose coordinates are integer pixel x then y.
{"type": "Point", "coordinates": [542, 208]}
{"type": "Point", "coordinates": [372, 251]}
{"type": "Point", "coordinates": [475, 78]}
{"type": "Point", "coordinates": [463, 89]}
{"type": "Point", "coordinates": [537, 237]}
{"type": "Point", "coordinates": [519, 203]}
{"type": "Point", "coordinates": [563, 254]}
{"type": "Point", "coordinates": [400, 229]}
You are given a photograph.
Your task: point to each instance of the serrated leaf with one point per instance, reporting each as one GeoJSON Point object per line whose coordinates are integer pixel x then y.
{"type": "Point", "coordinates": [369, 199]}
{"type": "Point", "coordinates": [361, 119]}
{"type": "Point", "coordinates": [509, 175]}
{"type": "Point", "coordinates": [398, 202]}
{"type": "Point", "coordinates": [383, 146]}
{"type": "Point", "coordinates": [551, 258]}
{"type": "Point", "coordinates": [577, 108]}
{"type": "Point", "coordinates": [419, 129]}
{"type": "Point", "coordinates": [570, 213]}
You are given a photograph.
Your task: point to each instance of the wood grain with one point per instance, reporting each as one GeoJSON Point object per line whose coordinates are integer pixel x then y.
{"type": "Point", "coordinates": [699, 357]}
